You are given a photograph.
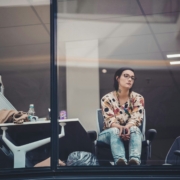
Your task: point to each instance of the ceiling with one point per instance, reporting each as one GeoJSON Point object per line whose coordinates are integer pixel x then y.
{"type": "Point", "coordinates": [24, 33]}
{"type": "Point", "coordinates": [134, 29]}
{"type": "Point", "coordinates": [130, 32]}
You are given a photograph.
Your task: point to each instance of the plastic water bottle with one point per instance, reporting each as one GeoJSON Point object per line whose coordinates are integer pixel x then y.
{"type": "Point", "coordinates": [31, 111]}
{"type": "Point", "coordinates": [1, 85]}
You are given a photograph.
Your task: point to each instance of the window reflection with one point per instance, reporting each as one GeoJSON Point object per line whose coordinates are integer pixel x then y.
{"type": "Point", "coordinates": [25, 74]}
{"type": "Point", "coordinates": [95, 38]}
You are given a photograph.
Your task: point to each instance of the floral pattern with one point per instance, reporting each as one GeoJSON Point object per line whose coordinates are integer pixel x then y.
{"type": "Point", "coordinates": [130, 112]}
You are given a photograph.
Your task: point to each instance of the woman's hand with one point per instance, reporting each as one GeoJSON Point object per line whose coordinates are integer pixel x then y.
{"type": "Point", "coordinates": [121, 129]}
{"type": "Point", "coordinates": [126, 136]}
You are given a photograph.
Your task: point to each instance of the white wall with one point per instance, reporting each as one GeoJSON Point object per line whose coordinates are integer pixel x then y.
{"type": "Point", "coordinates": [82, 81]}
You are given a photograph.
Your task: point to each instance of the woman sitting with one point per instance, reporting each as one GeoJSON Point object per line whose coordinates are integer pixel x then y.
{"type": "Point", "coordinates": [123, 112]}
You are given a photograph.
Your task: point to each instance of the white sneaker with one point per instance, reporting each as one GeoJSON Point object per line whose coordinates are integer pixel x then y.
{"type": "Point", "coordinates": [121, 162]}
{"type": "Point", "coordinates": [133, 162]}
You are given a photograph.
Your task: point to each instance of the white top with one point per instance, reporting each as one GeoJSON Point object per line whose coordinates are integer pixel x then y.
{"type": "Point", "coordinates": [40, 121]}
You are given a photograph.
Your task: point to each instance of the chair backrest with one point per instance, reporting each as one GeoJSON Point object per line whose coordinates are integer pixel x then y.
{"type": "Point", "coordinates": [5, 104]}
{"type": "Point", "coordinates": [171, 158]}
{"type": "Point", "coordinates": [143, 125]}
{"type": "Point", "coordinates": [100, 120]}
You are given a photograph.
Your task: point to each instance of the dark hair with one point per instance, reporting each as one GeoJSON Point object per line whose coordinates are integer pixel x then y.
{"type": "Point", "coordinates": [118, 73]}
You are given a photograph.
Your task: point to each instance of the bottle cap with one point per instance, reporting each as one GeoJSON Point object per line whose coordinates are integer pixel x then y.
{"type": "Point", "coordinates": [31, 105]}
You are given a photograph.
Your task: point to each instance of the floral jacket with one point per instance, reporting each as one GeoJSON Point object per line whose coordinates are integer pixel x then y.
{"type": "Point", "coordinates": [130, 112]}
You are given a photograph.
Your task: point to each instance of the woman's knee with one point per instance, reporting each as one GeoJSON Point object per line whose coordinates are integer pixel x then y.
{"type": "Point", "coordinates": [135, 129]}
{"type": "Point", "coordinates": [114, 131]}
{"type": "Point", "coordinates": [135, 132]}
{"type": "Point", "coordinates": [107, 134]}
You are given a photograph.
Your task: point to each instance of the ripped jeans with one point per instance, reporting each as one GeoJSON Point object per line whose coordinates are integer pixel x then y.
{"type": "Point", "coordinates": [111, 136]}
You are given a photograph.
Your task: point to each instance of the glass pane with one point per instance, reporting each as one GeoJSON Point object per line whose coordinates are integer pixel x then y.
{"type": "Point", "coordinates": [95, 39]}
{"type": "Point", "coordinates": [25, 83]}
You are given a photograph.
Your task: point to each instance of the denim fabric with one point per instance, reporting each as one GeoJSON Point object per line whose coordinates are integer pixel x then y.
{"type": "Point", "coordinates": [111, 136]}
{"type": "Point", "coordinates": [135, 143]}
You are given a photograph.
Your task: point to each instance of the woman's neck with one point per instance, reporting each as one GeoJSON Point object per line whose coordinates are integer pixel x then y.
{"type": "Point", "coordinates": [124, 93]}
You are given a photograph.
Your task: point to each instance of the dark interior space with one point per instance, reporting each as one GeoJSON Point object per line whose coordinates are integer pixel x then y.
{"type": "Point", "coordinates": [161, 93]}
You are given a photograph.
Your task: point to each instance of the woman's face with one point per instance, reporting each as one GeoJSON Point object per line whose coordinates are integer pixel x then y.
{"type": "Point", "coordinates": [126, 80]}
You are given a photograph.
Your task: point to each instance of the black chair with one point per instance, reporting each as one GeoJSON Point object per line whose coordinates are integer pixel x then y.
{"type": "Point", "coordinates": [173, 155]}
{"type": "Point", "coordinates": [103, 151]}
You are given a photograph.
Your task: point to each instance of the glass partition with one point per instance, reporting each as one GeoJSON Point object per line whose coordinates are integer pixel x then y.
{"type": "Point", "coordinates": [25, 83]}
{"type": "Point", "coordinates": [96, 38]}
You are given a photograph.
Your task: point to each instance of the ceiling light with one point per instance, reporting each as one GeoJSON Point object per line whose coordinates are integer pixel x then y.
{"type": "Point", "coordinates": [173, 55]}
{"type": "Point", "coordinates": [104, 71]}
{"type": "Point", "coordinates": [174, 62]}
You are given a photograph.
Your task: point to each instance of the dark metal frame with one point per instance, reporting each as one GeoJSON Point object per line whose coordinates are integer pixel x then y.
{"type": "Point", "coordinates": [54, 95]}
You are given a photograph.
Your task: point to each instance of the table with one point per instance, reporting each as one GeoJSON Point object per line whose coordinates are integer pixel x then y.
{"type": "Point", "coordinates": [20, 151]}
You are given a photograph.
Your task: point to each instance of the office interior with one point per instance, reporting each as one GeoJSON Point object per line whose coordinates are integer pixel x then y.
{"type": "Point", "coordinates": [94, 39]}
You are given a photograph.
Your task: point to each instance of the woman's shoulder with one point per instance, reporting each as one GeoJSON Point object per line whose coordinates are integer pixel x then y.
{"type": "Point", "coordinates": [136, 95]}
{"type": "Point", "coordinates": [109, 95]}
{"type": "Point", "coordinates": [136, 99]}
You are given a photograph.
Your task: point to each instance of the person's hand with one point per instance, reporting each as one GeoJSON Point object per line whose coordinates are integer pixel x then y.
{"type": "Point", "coordinates": [126, 136]}
{"type": "Point", "coordinates": [121, 128]}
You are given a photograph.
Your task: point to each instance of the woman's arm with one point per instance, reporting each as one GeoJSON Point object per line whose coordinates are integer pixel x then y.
{"type": "Point", "coordinates": [108, 114]}
{"type": "Point", "coordinates": [119, 127]}
{"type": "Point", "coordinates": [136, 116]}
{"type": "Point", "coordinates": [137, 112]}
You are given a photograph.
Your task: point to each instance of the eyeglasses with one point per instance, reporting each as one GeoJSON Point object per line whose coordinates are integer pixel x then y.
{"type": "Point", "coordinates": [127, 76]}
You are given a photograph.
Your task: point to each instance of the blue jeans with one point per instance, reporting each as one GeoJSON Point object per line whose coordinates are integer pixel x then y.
{"type": "Point", "coordinates": [111, 136]}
